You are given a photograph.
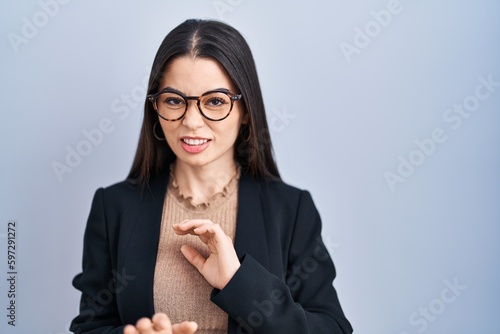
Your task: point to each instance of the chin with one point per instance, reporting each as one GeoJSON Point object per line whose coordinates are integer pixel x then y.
{"type": "Point", "coordinates": [194, 161]}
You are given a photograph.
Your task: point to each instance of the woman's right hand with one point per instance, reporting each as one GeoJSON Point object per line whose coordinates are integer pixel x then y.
{"type": "Point", "coordinates": [160, 324]}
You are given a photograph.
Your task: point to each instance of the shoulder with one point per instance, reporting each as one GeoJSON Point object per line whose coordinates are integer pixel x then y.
{"type": "Point", "coordinates": [118, 192]}
{"type": "Point", "coordinates": [280, 194]}
{"type": "Point", "coordinates": [128, 190]}
{"type": "Point", "coordinates": [115, 199]}
{"type": "Point", "coordinates": [121, 188]}
{"type": "Point", "coordinates": [281, 189]}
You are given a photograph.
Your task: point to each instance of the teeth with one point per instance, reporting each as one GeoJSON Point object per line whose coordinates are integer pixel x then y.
{"type": "Point", "coordinates": [195, 142]}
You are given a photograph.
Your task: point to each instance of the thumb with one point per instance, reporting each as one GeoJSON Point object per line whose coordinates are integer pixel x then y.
{"type": "Point", "coordinates": [193, 256]}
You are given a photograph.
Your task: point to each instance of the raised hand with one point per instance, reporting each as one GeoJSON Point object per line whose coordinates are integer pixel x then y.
{"type": "Point", "coordinates": [222, 263]}
{"type": "Point", "coordinates": [160, 324]}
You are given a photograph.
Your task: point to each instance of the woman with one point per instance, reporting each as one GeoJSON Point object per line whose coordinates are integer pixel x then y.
{"type": "Point", "coordinates": [204, 229]}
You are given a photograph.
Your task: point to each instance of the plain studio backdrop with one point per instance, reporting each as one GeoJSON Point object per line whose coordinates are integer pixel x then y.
{"type": "Point", "coordinates": [387, 111]}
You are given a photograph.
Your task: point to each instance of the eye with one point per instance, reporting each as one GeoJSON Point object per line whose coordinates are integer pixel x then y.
{"type": "Point", "coordinates": [172, 101]}
{"type": "Point", "coordinates": [214, 102]}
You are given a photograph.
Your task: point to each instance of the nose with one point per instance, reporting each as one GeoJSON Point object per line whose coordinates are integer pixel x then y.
{"type": "Point", "coordinates": [193, 118]}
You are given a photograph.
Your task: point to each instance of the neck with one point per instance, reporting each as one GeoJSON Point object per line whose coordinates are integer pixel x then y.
{"type": "Point", "coordinates": [201, 183]}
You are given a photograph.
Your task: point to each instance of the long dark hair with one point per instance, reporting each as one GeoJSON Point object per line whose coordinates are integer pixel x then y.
{"type": "Point", "coordinates": [224, 44]}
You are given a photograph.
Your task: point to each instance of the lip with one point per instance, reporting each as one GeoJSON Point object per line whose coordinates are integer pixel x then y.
{"type": "Point", "coordinates": [193, 149]}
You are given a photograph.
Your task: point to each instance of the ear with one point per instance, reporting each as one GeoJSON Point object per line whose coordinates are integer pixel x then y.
{"type": "Point", "coordinates": [246, 118]}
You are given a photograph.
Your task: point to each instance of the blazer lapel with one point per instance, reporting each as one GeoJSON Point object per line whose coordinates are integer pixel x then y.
{"type": "Point", "coordinates": [250, 228]}
{"type": "Point", "coordinates": [139, 253]}
{"type": "Point", "coordinates": [250, 223]}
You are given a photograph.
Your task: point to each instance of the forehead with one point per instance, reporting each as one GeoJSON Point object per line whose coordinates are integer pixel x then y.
{"type": "Point", "coordinates": [194, 76]}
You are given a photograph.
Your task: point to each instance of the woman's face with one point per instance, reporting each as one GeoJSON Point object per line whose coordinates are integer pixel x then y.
{"type": "Point", "coordinates": [195, 140]}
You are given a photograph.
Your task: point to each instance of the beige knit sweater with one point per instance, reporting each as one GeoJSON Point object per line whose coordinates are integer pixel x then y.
{"type": "Point", "coordinates": [180, 290]}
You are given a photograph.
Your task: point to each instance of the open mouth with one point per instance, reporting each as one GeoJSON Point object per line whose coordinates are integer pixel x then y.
{"type": "Point", "coordinates": [194, 142]}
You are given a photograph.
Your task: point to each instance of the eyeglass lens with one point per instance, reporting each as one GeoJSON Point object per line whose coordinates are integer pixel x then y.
{"type": "Point", "coordinates": [214, 105]}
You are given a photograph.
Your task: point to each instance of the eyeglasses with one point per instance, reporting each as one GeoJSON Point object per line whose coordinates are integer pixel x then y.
{"type": "Point", "coordinates": [214, 105]}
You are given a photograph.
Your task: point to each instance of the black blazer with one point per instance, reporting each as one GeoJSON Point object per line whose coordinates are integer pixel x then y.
{"type": "Point", "coordinates": [284, 284]}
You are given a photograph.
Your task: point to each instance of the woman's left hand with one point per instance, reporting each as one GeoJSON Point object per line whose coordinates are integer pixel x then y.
{"type": "Point", "coordinates": [222, 263]}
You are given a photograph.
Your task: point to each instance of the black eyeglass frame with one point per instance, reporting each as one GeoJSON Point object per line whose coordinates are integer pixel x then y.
{"type": "Point", "coordinates": [153, 98]}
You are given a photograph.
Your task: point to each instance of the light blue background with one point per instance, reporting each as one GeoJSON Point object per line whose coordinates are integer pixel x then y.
{"type": "Point", "coordinates": [347, 124]}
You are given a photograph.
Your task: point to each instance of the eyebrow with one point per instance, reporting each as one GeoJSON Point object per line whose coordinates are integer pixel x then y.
{"type": "Point", "coordinates": [173, 90]}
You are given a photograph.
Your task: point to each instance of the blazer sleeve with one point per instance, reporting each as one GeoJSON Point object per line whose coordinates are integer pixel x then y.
{"type": "Point", "coordinates": [304, 301]}
{"type": "Point", "coordinates": [98, 279]}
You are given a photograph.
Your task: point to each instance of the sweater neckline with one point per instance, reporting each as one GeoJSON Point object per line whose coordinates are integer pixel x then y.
{"type": "Point", "coordinates": [216, 199]}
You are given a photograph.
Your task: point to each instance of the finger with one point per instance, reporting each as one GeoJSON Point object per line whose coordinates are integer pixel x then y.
{"type": "Point", "coordinates": [187, 225]}
{"type": "Point", "coordinates": [179, 231]}
{"type": "Point", "coordinates": [213, 233]}
{"type": "Point", "coordinates": [193, 256]}
{"type": "Point", "coordinates": [145, 326]}
{"type": "Point", "coordinates": [129, 329]}
{"type": "Point", "coordinates": [209, 228]}
{"type": "Point", "coordinates": [186, 327]}
{"type": "Point", "coordinates": [204, 235]}
{"type": "Point", "coordinates": [162, 323]}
